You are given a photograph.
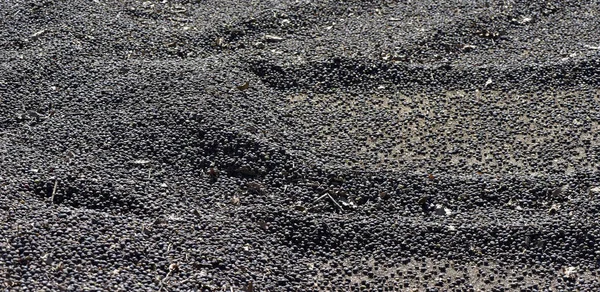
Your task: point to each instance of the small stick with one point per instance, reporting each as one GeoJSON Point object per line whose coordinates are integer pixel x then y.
{"type": "Point", "coordinates": [321, 197]}
{"type": "Point", "coordinates": [54, 191]}
{"type": "Point", "coordinates": [172, 267]}
{"type": "Point", "coordinates": [334, 201]}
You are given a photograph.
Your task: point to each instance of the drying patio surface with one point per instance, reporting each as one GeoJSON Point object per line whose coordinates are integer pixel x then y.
{"type": "Point", "coordinates": [299, 145]}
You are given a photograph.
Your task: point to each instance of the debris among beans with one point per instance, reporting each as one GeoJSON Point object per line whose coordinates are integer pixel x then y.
{"type": "Point", "coordinates": [273, 38]}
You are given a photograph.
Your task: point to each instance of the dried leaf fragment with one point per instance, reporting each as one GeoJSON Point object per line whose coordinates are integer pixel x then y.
{"type": "Point", "coordinates": [220, 42]}
{"type": "Point", "coordinates": [196, 212]}
{"type": "Point", "coordinates": [384, 195]}
{"type": "Point", "coordinates": [255, 188]}
{"type": "Point", "coordinates": [570, 272]}
{"type": "Point", "coordinates": [300, 208]}
{"type": "Point", "coordinates": [244, 86]}
{"type": "Point", "coordinates": [262, 224]}
{"type": "Point", "coordinates": [249, 287]}
{"type": "Point", "coordinates": [213, 172]}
